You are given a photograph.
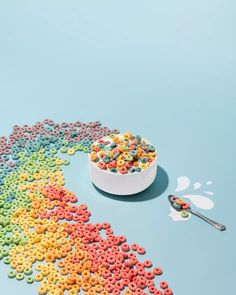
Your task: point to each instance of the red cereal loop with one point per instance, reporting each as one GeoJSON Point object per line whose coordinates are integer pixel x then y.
{"type": "Point", "coordinates": [125, 247]}
{"type": "Point", "coordinates": [147, 263]}
{"type": "Point", "coordinates": [134, 247]}
{"type": "Point", "coordinates": [157, 271]}
{"type": "Point", "coordinates": [163, 285]}
{"type": "Point", "coordinates": [141, 251]}
{"type": "Point", "coordinates": [168, 291]}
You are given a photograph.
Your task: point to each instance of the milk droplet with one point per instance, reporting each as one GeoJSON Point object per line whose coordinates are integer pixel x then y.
{"type": "Point", "coordinates": [197, 185]}
{"type": "Point", "coordinates": [183, 183]}
{"type": "Point", "coordinates": [209, 193]}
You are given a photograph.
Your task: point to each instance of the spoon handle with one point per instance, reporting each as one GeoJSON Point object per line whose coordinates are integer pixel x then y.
{"type": "Point", "coordinates": [210, 221]}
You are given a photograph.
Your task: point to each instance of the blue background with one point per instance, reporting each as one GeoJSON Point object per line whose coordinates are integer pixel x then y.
{"type": "Point", "coordinates": [164, 69]}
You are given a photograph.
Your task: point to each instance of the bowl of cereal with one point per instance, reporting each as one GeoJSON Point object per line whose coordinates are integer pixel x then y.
{"type": "Point", "coordinates": [122, 164]}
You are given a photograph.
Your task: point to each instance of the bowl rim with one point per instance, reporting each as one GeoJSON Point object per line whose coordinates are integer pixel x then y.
{"type": "Point", "coordinates": [116, 174]}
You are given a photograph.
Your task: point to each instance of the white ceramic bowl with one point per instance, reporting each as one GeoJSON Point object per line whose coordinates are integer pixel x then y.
{"type": "Point", "coordinates": [122, 184]}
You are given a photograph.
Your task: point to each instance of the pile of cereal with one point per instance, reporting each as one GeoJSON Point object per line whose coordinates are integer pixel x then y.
{"type": "Point", "coordinates": [46, 236]}
{"type": "Point", "coordinates": [123, 153]}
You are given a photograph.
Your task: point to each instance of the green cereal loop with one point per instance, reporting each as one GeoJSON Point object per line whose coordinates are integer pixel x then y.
{"type": "Point", "coordinates": [28, 271]}
{"type": "Point", "coordinates": [86, 149]}
{"type": "Point", "coordinates": [8, 240]}
{"type": "Point", "coordinates": [33, 157]}
{"type": "Point", "coordinates": [71, 152]}
{"type": "Point", "coordinates": [66, 162]}
{"type": "Point", "coordinates": [9, 228]}
{"type": "Point", "coordinates": [184, 214]}
{"type": "Point", "coordinates": [7, 260]}
{"type": "Point", "coordinates": [30, 178]}
{"type": "Point", "coordinates": [23, 242]}
{"type": "Point", "coordinates": [63, 150]}
{"type": "Point", "coordinates": [12, 246]}
{"type": "Point", "coordinates": [53, 151]}
{"type": "Point", "coordinates": [20, 276]}
{"type": "Point", "coordinates": [76, 148]}
{"type": "Point", "coordinates": [29, 280]}
{"type": "Point", "coordinates": [71, 144]}
{"type": "Point", "coordinates": [12, 274]}
{"type": "Point", "coordinates": [51, 163]}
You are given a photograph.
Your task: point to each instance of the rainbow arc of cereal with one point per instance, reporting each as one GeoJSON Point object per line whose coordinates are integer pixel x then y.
{"type": "Point", "coordinates": [46, 235]}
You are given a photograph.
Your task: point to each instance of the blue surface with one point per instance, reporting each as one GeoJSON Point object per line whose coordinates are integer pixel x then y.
{"type": "Point", "coordinates": [165, 70]}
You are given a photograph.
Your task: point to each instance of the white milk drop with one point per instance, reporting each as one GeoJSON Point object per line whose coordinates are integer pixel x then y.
{"type": "Point", "coordinates": [183, 183]}
{"type": "Point", "coordinates": [197, 185]}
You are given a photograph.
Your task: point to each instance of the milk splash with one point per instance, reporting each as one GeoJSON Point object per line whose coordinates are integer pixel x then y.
{"type": "Point", "coordinates": [202, 202]}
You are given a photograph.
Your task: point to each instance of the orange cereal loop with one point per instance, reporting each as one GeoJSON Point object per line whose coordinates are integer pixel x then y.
{"type": "Point", "coordinates": [32, 258]}
{"type": "Point", "coordinates": [56, 202]}
{"type": "Point", "coordinates": [42, 290]}
{"type": "Point", "coordinates": [98, 288]}
{"type": "Point", "coordinates": [20, 268]}
{"type": "Point", "coordinates": [87, 265]}
{"type": "Point", "coordinates": [91, 292]}
{"type": "Point", "coordinates": [56, 275]}
{"type": "Point", "coordinates": [79, 282]}
{"type": "Point", "coordinates": [86, 286]}
{"type": "Point", "coordinates": [39, 267]}
{"type": "Point", "coordinates": [55, 292]}
{"type": "Point", "coordinates": [68, 247]}
{"type": "Point", "coordinates": [179, 201]}
{"type": "Point", "coordinates": [86, 274]}
{"type": "Point", "coordinates": [135, 163]}
{"type": "Point", "coordinates": [61, 281]}
{"type": "Point", "coordinates": [61, 263]}
{"type": "Point", "coordinates": [34, 214]}
{"type": "Point", "coordinates": [73, 270]}
{"type": "Point", "coordinates": [14, 264]}
{"type": "Point", "coordinates": [49, 205]}
{"type": "Point", "coordinates": [32, 189]}
{"type": "Point", "coordinates": [127, 135]}
{"type": "Point", "coordinates": [93, 281]}
{"type": "Point", "coordinates": [64, 271]}
{"type": "Point", "coordinates": [51, 279]}
{"type": "Point", "coordinates": [102, 282]}
{"type": "Point", "coordinates": [38, 277]}
{"type": "Point", "coordinates": [64, 234]}
{"type": "Point", "coordinates": [104, 292]}
{"type": "Point", "coordinates": [39, 229]}
{"type": "Point", "coordinates": [45, 272]}
{"type": "Point", "coordinates": [71, 242]}
{"type": "Point", "coordinates": [79, 268]}
{"type": "Point", "coordinates": [128, 292]}
{"type": "Point", "coordinates": [69, 265]}
{"type": "Point", "coordinates": [80, 255]}
{"type": "Point", "coordinates": [39, 256]}
{"type": "Point", "coordinates": [20, 260]}
{"type": "Point", "coordinates": [71, 279]}
{"type": "Point", "coordinates": [72, 292]}
{"type": "Point", "coordinates": [67, 286]}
